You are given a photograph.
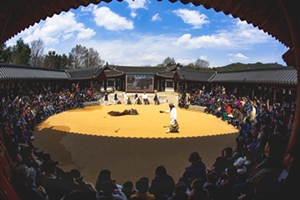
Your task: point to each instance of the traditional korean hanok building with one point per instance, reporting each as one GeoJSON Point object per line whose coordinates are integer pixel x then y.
{"type": "Point", "coordinates": [87, 77]}
{"type": "Point", "coordinates": [20, 78]}
{"type": "Point", "coordinates": [279, 83]}
{"type": "Point", "coordinates": [190, 79]}
{"type": "Point", "coordinates": [139, 79]}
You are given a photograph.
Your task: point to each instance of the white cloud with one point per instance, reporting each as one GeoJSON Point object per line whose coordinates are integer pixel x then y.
{"type": "Point", "coordinates": [237, 57]}
{"type": "Point", "coordinates": [240, 35]}
{"type": "Point", "coordinates": [192, 17]}
{"type": "Point", "coordinates": [241, 56]}
{"type": "Point", "coordinates": [89, 8]}
{"type": "Point", "coordinates": [86, 33]}
{"type": "Point", "coordinates": [203, 57]}
{"type": "Point", "coordinates": [59, 27]}
{"type": "Point", "coordinates": [243, 35]}
{"type": "Point", "coordinates": [137, 4]}
{"type": "Point", "coordinates": [133, 14]}
{"type": "Point", "coordinates": [103, 16]}
{"type": "Point", "coordinates": [156, 17]}
{"type": "Point", "coordinates": [213, 41]}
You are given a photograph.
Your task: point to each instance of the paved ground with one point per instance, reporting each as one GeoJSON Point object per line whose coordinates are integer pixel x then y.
{"type": "Point", "coordinates": [131, 146]}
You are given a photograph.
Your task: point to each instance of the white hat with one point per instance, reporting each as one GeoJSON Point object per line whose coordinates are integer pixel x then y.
{"type": "Point", "coordinates": [240, 162]}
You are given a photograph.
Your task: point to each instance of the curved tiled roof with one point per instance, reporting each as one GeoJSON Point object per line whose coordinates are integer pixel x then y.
{"type": "Point", "coordinates": [284, 76]}
{"type": "Point", "coordinates": [83, 74]}
{"type": "Point", "coordinates": [195, 75]}
{"type": "Point", "coordinates": [139, 70]}
{"type": "Point", "coordinates": [19, 72]}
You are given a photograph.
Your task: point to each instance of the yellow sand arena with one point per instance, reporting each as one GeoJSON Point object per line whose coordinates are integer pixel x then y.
{"type": "Point", "coordinates": [131, 146]}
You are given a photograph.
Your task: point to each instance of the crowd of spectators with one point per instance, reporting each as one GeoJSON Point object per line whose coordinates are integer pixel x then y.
{"type": "Point", "coordinates": [257, 168]}
{"type": "Point", "coordinates": [21, 111]}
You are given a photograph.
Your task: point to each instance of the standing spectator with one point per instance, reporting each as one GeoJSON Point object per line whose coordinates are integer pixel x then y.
{"type": "Point", "coordinates": [77, 88]}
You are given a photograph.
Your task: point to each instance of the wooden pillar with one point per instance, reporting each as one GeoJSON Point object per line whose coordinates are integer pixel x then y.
{"type": "Point", "coordinates": [274, 95]}
{"type": "Point", "coordinates": [291, 13]}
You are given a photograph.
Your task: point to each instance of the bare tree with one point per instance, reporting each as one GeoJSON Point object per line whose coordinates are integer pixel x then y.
{"type": "Point", "coordinates": [201, 64]}
{"type": "Point", "coordinates": [93, 59]}
{"type": "Point", "coordinates": [37, 51]}
{"type": "Point", "coordinates": [78, 56]}
{"type": "Point", "coordinates": [81, 57]}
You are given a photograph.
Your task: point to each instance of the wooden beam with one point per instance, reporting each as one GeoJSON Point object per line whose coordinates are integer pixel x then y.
{"type": "Point", "coordinates": [291, 17]}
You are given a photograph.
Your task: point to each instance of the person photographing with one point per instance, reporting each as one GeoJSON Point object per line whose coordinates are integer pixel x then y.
{"type": "Point", "coordinates": [173, 118]}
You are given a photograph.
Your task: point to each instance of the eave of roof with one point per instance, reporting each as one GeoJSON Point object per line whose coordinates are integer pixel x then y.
{"type": "Point", "coordinates": [285, 76]}
{"type": "Point", "coordinates": [195, 75]}
{"type": "Point", "coordinates": [19, 72]}
{"type": "Point", "coordinates": [84, 74]}
{"type": "Point", "coordinates": [139, 69]}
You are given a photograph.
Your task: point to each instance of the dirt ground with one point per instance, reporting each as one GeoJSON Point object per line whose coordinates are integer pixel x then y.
{"type": "Point", "coordinates": [130, 146]}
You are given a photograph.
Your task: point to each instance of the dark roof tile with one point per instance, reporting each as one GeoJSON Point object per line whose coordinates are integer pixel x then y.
{"type": "Point", "coordinates": [270, 76]}
{"type": "Point", "coordinates": [195, 75]}
{"type": "Point", "coordinates": [19, 72]}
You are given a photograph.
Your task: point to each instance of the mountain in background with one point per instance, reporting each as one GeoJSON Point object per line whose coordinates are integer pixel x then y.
{"type": "Point", "coordinates": [241, 66]}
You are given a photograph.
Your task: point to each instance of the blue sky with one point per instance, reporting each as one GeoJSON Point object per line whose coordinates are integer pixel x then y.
{"type": "Point", "coordinates": [144, 32]}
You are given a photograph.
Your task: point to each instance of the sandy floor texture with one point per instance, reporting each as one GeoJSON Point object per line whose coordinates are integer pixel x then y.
{"type": "Point", "coordinates": [131, 146]}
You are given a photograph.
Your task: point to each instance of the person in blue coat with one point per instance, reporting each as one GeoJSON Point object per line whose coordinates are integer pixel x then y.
{"type": "Point", "coordinates": [197, 169]}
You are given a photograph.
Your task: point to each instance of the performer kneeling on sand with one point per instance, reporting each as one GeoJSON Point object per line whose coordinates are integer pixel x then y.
{"type": "Point", "coordinates": [173, 118]}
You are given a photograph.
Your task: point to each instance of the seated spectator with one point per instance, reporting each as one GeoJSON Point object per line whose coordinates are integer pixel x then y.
{"type": "Point", "coordinates": [224, 190]}
{"type": "Point", "coordinates": [250, 163]}
{"type": "Point", "coordinates": [162, 184]}
{"type": "Point", "coordinates": [137, 99]}
{"type": "Point", "coordinates": [127, 189]}
{"type": "Point", "coordinates": [109, 191]}
{"type": "Point", "coordinates": [211, 184]}
{"type": "Point", "coordinates": [54, 185]}
{"type": "Point", "coordinates": [85, 187]}
{"type": "Point", "coordinates": [241, 170]}
{"type": "Point", "coordinates": [27, 187]}
{"type": "Point", "coordinates": [155, 99]}
{"type": "Point", "coordinates": [142, 191]}
{"type": "Point", "coordinates": [104, 175]}
{"type": "Point", "coordinates": [224, 161]}
{"type": "Point", "coordinates": [145, 99]}
{"type": "Point", "coordinates": [197, 169]}
{"type": "Point", "coordinates": [197, 192]}
{"type": "Point", "coordinates": [179, 192]}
